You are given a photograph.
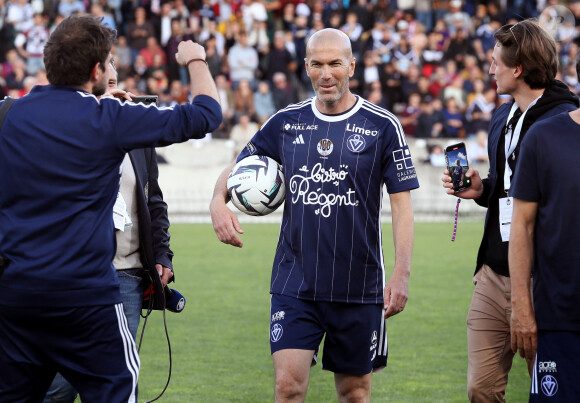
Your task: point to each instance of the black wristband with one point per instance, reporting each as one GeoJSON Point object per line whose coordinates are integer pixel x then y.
{"type": "Point", "coordinates": [195, 60]}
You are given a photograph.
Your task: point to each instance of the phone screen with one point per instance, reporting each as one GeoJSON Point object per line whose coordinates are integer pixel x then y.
{"type": "Point", "coordinates": [457, 165]}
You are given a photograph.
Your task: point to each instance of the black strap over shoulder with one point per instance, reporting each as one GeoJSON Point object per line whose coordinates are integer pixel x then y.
{"type": "Point", "coordinates": [4, 108]}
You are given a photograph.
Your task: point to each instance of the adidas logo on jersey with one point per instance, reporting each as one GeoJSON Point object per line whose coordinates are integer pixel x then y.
{"type": "Point", "coordinates": [299, 140]}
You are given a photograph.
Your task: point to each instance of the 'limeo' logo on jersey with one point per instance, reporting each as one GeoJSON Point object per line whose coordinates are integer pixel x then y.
{"type": "Point", "coordinates": [351, 127]}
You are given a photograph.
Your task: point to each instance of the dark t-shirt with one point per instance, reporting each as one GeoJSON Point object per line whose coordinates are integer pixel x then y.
{"type": "Point", "coordinates": [548, 175]}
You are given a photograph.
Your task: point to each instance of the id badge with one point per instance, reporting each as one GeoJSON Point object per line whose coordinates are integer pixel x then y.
{"type": "Point", "coordinates": [119, 212]}
{"type": "Point", "coordinates": [506, 207]}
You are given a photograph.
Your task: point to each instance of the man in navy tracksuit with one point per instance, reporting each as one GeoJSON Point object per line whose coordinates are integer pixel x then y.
{"type": "Point", "coordinates": [60, 153]}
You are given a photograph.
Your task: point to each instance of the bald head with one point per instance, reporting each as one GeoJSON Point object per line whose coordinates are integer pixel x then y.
{"type": "Point", "coordinates": [327, 38]}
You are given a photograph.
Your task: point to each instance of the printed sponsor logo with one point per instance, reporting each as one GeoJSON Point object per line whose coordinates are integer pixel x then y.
{"type": "Point", "coordinates": [325, 147]}
{"type": "Point", "coordinates": [403, 159]}
{"type": "Point", "coordinates": [356, 143]}
{"type": "Point", "coordinates": [549, 385]}
{"type": "Point", "coordinates": [299, 140]}
{"type": "Point", "coordinates": [276, 332]}
{"type": "Point", "coordinates": [374, 340]}
{"type": "Point", "coordinates": [361, 130]}
{"type": "Point", "coordinates": [547, 366]}
{"type": "Point", "coordinates": [251, 148]}
{"type": "Point", "coordinates": [299, 127]}
{"type": "Point", "coordinates": [278, 316]}
{"type": "Point", "coordinates": [307, 189]}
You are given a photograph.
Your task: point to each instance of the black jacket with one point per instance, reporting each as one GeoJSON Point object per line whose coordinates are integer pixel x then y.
{"type": "Point", "coordinates": [556, 99]}
{"type": "Point", "coordinates": [153, 222]}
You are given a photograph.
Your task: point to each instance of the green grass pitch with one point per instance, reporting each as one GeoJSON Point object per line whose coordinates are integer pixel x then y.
{"type": "Point", "coordinates": [220, 341]}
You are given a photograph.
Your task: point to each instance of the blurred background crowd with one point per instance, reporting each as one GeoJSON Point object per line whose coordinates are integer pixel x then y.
{"type": "Point", "coordinates": [425, 60]}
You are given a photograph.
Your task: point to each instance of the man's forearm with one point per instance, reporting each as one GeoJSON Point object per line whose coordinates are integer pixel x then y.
{"type": "Point", "coordinates": [403, 231]}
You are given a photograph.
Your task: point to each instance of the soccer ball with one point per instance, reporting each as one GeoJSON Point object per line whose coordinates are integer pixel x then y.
{"type": "Point", "coordinates": [256, 185]}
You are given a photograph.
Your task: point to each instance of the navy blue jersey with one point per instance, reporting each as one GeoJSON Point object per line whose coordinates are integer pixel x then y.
{"type": "Point", "coordinates": [548, 175]}
{"type": "Point", "coordinates": [60, 153]}
{"type": "Point", "coordinates": [335, 167]}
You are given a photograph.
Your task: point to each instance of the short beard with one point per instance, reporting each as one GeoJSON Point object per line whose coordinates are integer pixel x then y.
{"type": "Point", "coordinates": [99, 89]}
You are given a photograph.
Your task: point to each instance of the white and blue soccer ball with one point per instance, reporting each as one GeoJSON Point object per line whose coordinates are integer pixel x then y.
{"type": "Point", "coordinates": [256, 185]}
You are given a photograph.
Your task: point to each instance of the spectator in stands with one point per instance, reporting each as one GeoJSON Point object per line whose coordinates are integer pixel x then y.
{"type": "Point", "coordinates": [404, 55]}
{"type": "Point", "coordinates": [263, 102]}
{"type": "Point", "coordinates": [423, 84]}
{"type": "Point", "coordinates": [411, 113]}
{"type": "Point", "coordinates": [453, 125]}
{"type": "Point", "coordinates": [242, 60]}
{"type": "Point", "coordinates": [69, 7]}
{"type": "Point", "coordinates": [457, 19]}
{"type": "Point", "coordinates": [138, 32]}
{"type": "Point", "coordinates": [479, 112]}
{"type": "Point", "coordinates": [226, 98]}
{"type": "Point", "coordinates": [139, 67]}
{"type": "Point", "coordinates": [436, 156]}
{"type": "Point", "coordinates": [30, 44]}
{"type": "Point", "coordinates": [477, 150]}
{"type": "Point", "coordinates": [20, 16]}
{"type": "Point", "coordinates": [97, 10]}
{"type": "Point", "coordinates": [371, 68]}
{"type": "Point", "coordinates": [484, 40]}
{"type": "Point", "coordinates": [243, 99]}
{"type": "Point", "coordinates": [391, 81]}
{"type": "Point", "coordinates": [212, 56]}
{"type": "Point", "coordinates": [212, 30]}
{"type": "Point", "coordinates": [430, 123]}
{"type": "Point", "coordinates": [179, 92]}
{"type": "Point", "coordinates": [439, 83]}
{"type": "Point", "coordinates": [279, 58]}
{"type": "Point", "coordinates": [242, 132]}
{"type": "Point", "coordinates": [460, 46]}
{"type": "Point", "coordinates": [151, 50]}
{"type": "Point", "coordinates": [424, 13]}
{"type": "Point", "coordinates": [122, 54]}
{"type": "Point", "coordinates": [455, 90]}
{"type": "Point", "coordinates": [354, 30]}
{"type": "Point", "coordinates": [432, 55]}
{"type": "Point", "coordinates": [283, 92]}
{"type": "Point", "coordinates": [410, 81]}
{"type": "Point", "coordinates": [15, 79]}
{"type": "Point", "coordinates": [178, 34]}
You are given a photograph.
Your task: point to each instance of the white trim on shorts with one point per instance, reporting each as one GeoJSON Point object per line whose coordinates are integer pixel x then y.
{"type": "Point", "coordinates": [131, 354]}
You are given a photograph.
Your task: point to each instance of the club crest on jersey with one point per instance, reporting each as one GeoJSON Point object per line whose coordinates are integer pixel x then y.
{"type": "Point", "coordinates": [356, 143]}
{"type": "Point", "coordinates": [324, 147]}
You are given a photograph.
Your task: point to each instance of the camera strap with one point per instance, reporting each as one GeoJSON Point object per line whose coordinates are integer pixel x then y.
{"type": "Point", "coordinates": [6, 105]}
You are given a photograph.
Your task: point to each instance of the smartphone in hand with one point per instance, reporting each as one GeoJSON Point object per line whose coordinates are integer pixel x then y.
{"type": "Point", "coordinates": [457, 165]}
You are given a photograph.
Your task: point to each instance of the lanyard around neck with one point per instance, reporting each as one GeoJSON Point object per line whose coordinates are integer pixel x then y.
{"type": "Point", "coordinates": [512, 137]}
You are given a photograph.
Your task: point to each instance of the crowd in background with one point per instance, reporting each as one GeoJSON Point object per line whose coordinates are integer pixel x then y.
{"type": "Point", "coordinates": [425, 60]}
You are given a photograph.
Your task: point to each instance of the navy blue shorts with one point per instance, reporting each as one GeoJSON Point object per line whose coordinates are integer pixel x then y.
{"type": "Point", "coordinates": [556, 375]}
{"type": "Point", "coordinates": [90, 346]}
{"type": "Point", "coordinates": [355, 335]}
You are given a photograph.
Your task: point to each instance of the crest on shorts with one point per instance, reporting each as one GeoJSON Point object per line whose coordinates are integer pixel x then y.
{"type": "Point", "coordinates": [549, 385]}
{"type": "Point", "coordinates": [276, 332]}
